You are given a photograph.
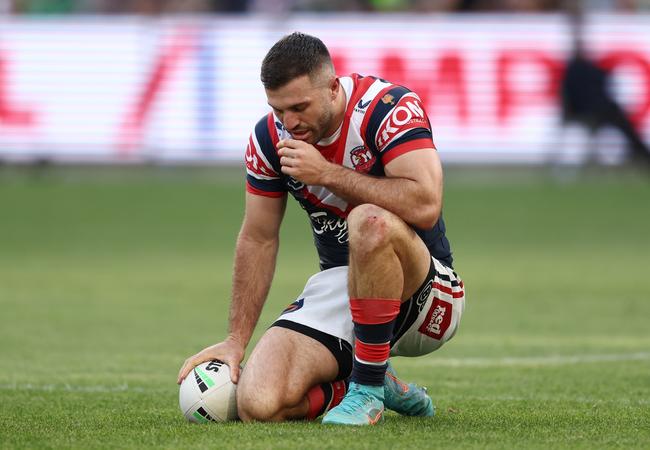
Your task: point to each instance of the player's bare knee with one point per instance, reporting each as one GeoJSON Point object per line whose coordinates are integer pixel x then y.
{"type": "Point", "coordinates": [254, 404]}
{"type": "Point", "coordinates": [261, 402]}
{"type": "Point", "coordinates": [369, 228]}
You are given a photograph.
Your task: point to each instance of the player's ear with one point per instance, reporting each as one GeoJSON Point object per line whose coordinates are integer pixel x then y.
{"type": "Point", "coordinates": [334, 87]}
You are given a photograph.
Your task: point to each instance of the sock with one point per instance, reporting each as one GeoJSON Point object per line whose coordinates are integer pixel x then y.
{"type": "Point", "coordinates": [374, 320]}
{"type": "Point", "coordinates": [324, 397]}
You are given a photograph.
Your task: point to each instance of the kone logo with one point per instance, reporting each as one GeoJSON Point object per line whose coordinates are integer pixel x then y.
{"type": "Point", "coordinates": [406, 115]}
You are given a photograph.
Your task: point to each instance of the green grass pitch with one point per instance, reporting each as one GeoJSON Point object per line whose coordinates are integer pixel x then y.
{"type": "Point", "coordinates": [109, 278]}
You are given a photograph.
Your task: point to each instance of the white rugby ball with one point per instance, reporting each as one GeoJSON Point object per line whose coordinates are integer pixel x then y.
{"type": "Point", "coordinates": [208, 395]}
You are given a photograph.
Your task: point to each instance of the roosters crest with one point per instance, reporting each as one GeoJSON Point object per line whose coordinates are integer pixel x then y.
{"type": "Point", "coordinates": [362, 159]}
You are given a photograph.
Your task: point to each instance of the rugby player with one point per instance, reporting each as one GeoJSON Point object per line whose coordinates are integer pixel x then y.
{"type": "Point", "coordinates": [357, 153]}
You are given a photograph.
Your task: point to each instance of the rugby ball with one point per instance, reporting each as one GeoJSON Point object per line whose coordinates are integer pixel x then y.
{"type": "Point", "coordinates": [208, 395]}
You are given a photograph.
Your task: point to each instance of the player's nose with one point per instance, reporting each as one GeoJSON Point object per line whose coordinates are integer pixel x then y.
{"type": "Point", "coordinates": [291, 121]}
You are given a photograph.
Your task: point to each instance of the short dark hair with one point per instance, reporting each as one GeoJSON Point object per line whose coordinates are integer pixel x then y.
{"type": "Point", "coordinates": [294, 55]}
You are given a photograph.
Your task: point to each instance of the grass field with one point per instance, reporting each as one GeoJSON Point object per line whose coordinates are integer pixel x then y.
{"type": "Point", "coordinates": [109, 278]}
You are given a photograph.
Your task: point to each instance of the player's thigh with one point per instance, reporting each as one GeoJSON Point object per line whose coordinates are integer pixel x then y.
{"type": "Point", "coordinates": [372, 225]}
{"type": "Point", "coordinates": [282, 368]}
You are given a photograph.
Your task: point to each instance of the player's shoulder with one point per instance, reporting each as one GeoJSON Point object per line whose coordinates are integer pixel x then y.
{"type": "Point", "coordinates": [375, 97]}
{"type": "Point", "coordinates": [261, 153]}
{"type": "Point", "coordinates": [267, 132]}
{"type": "Point", "coordinates": [387, 109]}
{"type": "Point", "coordinates": [389, 98]}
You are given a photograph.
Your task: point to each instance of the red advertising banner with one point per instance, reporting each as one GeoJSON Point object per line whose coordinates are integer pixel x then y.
{"type": "Point", "coordinates": [127, 90]}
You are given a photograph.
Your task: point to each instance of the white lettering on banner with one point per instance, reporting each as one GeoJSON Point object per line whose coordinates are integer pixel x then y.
{"type": "Point", "coordinates": [493, 100]}
{"type": "Point", "coordinates": [322, 223]}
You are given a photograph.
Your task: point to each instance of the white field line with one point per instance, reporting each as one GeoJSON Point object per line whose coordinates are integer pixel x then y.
{"type": "Point", "coordinates": [558, 398]}
{"type": "Point", "coordinates": [528, 361]}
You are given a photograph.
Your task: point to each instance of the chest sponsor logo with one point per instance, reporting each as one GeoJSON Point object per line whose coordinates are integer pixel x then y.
{"type": "Point", "coordinates": [322, 223]}
{"type": "Point", "coordinates": [437, 320]}
{"type": "Point", "coordinates": [408, 114]}
{"type": "Point", "coordinates": [362, 159]}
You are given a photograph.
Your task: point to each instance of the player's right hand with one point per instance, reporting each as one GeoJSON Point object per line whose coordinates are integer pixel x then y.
{"type": "Point", "coordinates": [229, 351]}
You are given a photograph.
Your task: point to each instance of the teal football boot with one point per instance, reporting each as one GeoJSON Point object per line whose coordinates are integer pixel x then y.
{"type": "Point", "coordinates": [406, 399]}
{"type": "Point", "coordinates": [362, 405]}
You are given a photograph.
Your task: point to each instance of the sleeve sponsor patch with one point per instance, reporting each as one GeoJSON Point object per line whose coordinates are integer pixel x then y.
{"type": "Point", "coordinates": [407, 114]}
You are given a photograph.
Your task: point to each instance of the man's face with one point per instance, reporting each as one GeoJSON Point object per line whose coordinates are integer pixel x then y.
{"type": "Point", "coordinates": [305, 106]}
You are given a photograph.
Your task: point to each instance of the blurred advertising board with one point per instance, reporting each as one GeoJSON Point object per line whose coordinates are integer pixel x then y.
{"type": "Point", "coordinates": [98, 89]}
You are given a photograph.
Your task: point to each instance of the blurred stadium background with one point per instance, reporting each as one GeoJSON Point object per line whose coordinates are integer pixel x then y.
{"type": "Point", "coordinates": [123, 126]}
{"type": "Point", "coordinates": [181, 82]}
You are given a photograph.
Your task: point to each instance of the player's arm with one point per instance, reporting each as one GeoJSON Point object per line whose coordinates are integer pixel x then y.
{"type": "Point", "coordinates": [412, 188]}
{"type": "Point", "coordinates": [255, 256]}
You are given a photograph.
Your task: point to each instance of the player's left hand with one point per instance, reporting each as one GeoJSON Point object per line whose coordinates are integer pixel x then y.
{"type": "Point", "coordinates": [302, 161]}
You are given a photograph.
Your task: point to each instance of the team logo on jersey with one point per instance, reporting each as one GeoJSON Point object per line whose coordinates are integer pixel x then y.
{"type": "Point", "coordinates": [295, 306]}
{"type": "Point", "coordinates": [437, 320]}
{"type": "Point", "coordinates": [408, 114]}
{"type": "Point", "coordinates": [388, 99]}
{"type": "Point", "coordinates": [424, 296]}
{"type": "Point", "coordinates": [362, 159]}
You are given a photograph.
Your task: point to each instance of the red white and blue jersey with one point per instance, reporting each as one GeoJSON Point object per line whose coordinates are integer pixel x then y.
{"type": "Point", "coordinates": [382, 121]}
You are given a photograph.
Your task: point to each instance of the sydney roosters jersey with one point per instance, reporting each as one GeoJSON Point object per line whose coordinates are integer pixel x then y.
{"type": "Point", "coordinates": [382, 121]}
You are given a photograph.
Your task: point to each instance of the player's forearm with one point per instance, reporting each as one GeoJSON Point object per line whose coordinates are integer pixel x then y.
{"type": "Point", "coordinates": [406, 198]}
{"type": "Point", "coordinates": [252, 276]}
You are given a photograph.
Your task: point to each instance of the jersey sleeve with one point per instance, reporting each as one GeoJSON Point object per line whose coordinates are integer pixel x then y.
{"type": "Point", "coordinates": [263, 175]}
{"type": "Point", "coordinates": [398, 124]}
